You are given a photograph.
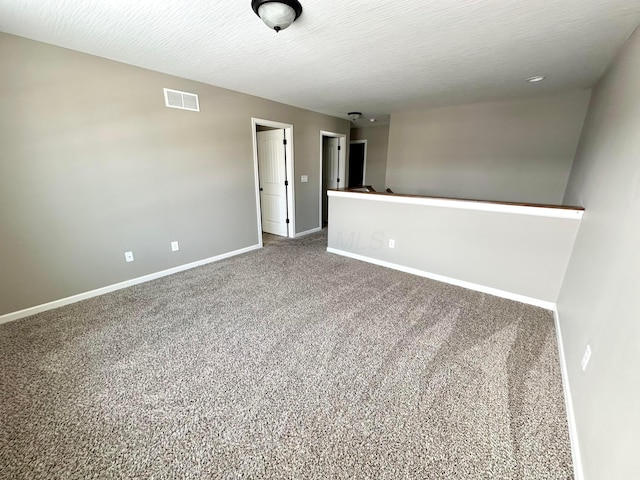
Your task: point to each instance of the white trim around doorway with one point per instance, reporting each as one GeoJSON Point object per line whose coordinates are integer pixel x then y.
{"type": "Point", "coordinates": [288, 128]}
{"type": "Point", "coordinates": [343, 148]}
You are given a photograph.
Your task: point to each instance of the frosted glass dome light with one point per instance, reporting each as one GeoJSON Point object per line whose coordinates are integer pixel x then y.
{"type": "Point", "coordinates": [279, 14]}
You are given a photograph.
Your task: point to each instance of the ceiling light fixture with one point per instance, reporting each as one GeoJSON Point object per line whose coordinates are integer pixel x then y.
{"type": "Point", "coordinates": [537, 78]}
{"type": "Point", "coordinates": [277, 14]}
{"type": "Point", "coordinates": [373, 120]}
{"type": "Point", "coordinates": [354, 115]}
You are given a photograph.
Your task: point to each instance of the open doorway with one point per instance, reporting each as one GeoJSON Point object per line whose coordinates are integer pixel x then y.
{"type": "Point", "coordinates": [273, 171]}
{"type": "Point", "coordinates": [357, 163]}
{"type": "Point", "coordinates": [333, 161]}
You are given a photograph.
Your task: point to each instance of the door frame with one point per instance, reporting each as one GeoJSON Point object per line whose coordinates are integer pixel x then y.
{"type": "Point", "coordinates": [288, 132]}
{"type": "Point", "coordinates": [364, 161]}
{"type": "Point", "coordinates": [343, 147]}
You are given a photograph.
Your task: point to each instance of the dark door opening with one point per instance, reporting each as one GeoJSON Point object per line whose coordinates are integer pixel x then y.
{"type": "Point", "coordinates": [357, 159]}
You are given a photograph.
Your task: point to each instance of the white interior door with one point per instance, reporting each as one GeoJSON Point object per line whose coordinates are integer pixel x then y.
{"type": "Point", "coordinates": [272, 173]}
{"type": "Point", "coordinates": [335, 163]}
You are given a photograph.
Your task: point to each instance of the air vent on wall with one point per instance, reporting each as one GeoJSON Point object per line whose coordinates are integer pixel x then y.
{"type": "Point", "coordinates": [182, 100]}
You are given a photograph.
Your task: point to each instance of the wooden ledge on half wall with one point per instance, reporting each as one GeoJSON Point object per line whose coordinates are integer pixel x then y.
{"type": "Point", "coordinates": [369, 190]}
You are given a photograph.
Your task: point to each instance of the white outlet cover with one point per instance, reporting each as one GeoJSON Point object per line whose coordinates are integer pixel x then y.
{"type": "Point", "coordinates": [128, 256]}
{"type": "Point", "coordinates": [175, 247]}
{"type": "Point", "coordinates": [304, 178]}
{"type": "Point", "coordinates": [586, 357]}
{"type": "Point", "coordinates": [392, 243]}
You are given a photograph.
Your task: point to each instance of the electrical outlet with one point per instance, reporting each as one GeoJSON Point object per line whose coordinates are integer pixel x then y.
{"type": "Point", "coordinates": [175, 247]}
{"type": "Point", "coordinates": [128, 256]}
{"type": "Point", "coordinates": [586, 357]}
{"type": "Point", "coordinates": [304, 178]}
{"type": "Point", "coordinates": [392, 243]}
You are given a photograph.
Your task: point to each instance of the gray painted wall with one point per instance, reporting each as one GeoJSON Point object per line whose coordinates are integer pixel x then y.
{"type": "Point", "coordinates": [92, 164]}
{"type": "Point", "coordinates": [377, 147]}
{"type": "Point", "coordinates": [600, 300]}
{"type": "Point", "coordinates": [511, 150]}
{"type": "Point", "coordinates": [521, 254]}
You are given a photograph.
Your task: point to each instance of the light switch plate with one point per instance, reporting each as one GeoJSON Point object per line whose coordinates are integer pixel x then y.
{"type": "Point", "coordinates": [304, 178]}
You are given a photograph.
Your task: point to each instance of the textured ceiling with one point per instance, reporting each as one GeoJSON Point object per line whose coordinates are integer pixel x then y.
{"type": "Point", "coordinates": [375, 56]}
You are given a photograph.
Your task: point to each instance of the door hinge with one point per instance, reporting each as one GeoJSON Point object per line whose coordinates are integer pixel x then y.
{"type": "Point", "coordinates": [287, 220]}
{"type": "Point", "coordinates": [339, 147]}
{"type": "Point", "coordinates": [284, 141]}
{"type": "Point", "coordinates": [338, 180]}
{"type": "Point", "coordinates": [286, 183]}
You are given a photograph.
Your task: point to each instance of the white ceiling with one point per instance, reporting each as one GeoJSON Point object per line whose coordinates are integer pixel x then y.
{"type": "Point", "coordinates": [374, 56]}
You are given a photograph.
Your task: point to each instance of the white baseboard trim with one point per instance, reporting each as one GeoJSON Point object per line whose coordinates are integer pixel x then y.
{"type": "Point", "coordinates": [9, 317]}
{"type": "Point", "coordinates": [308, 232]}
{"type": "Point", "coordinates": [453, 281]}
{"type": "Point", "coordinates": [568, 401]}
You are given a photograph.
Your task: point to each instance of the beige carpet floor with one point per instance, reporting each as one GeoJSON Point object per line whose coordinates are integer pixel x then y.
{"type": "Point", "coordinates": [284, 363]}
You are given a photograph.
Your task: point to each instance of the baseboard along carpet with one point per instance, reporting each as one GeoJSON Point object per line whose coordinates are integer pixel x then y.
{"type": "Point", "coordinates": [284, 363]}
